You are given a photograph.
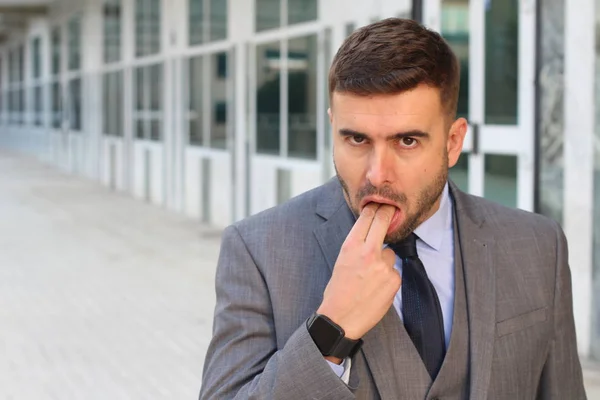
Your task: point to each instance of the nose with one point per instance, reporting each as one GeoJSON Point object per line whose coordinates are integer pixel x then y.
{"type": "Point", "coordinates": [381, 169]}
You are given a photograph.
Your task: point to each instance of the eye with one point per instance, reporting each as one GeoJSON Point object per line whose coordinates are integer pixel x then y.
{"type": "Point", "coordinates": [408, 142]}
{"type": "Point", "coordinates": [356, 139]}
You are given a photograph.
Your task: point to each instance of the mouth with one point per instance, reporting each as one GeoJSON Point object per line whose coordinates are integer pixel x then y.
{"type": "Point", "coordinates": [396, 219]}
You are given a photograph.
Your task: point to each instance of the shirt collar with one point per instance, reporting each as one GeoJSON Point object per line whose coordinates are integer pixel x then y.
{"type": "Point", "coordinates": [431, 231]}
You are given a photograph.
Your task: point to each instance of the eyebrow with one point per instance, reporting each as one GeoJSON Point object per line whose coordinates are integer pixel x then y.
{"type": "Point", "coordinates": [400, 135]}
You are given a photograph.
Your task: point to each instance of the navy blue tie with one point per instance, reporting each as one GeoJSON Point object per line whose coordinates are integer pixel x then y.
{"type": "Point", "coordinates": [422, 314]}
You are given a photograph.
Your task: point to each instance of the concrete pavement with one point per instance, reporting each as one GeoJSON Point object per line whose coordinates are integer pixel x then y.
{"type": "Point", "coordinates": [102, 296]}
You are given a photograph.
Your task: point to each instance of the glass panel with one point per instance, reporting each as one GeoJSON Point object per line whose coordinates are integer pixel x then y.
{"type": "Point", "coordinates": [38, 106]}
{"type": "Point", "coordinates": [302, 97]}
{"type": "Point", "coordinates": [156, 87]}
{"type": "Point", "coordinates": [459, 174]}
{"type": "Point", "coordinates": [301, 11]}
{"type": "Point", "coordinates": [56, 51]}
{"type": "Point", "coordinates": [196, 22]}
{"type": "Point", "coordinates": [268, 69]}
{"type": "Point", "coordinates": [74, 44]}
{"type": "Point", "coordinates": [10, 106]}
{"type": "Point", "coordinates": [106, 108]}
{"type": "Point", "coordinates": [75, 97]}
{"type": "Point", "coordinates": [501, 62]}
{"type": "Point", "coordinates": [56, 105]}
{"type": "Point", "coordinates": [268, 14]}
{"type": "Point", "coordinates": [112, 31]}
{"type": "Point", "coordinates": [21, 67]}
{"type": "Point", "coordinates": [36, 57]}
{"type": "Point", "coordinates": [118, 103]}
{"type": "Point", "coordinates": [139, 131]}
{"type": "Point", "coordinates": [455, 29]}
{"type": "Point", "coordinates": [218, 101]}
{"type": "Point", "coordinates": [218, 20]}
{"type": "Point", "coordinates": [155, 130]}
{"type": "Point", "coordinates": [196, 71]}
{"type": "Point", "coordinates": [148, 27]}
{"type": "Point", "coordinates": [21, 114]}
{"type": "Point", "coordinates": [139, 88]}
{"type": "Point", "coordinates": [500, 181]}
{"type": "Point", "coordinates": [113, 104]}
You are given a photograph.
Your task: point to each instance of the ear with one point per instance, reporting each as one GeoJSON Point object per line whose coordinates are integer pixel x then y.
{"type": "Point", "coordinates": [330, 115]}
{"type": "Point", "coordinates": [456, 137]}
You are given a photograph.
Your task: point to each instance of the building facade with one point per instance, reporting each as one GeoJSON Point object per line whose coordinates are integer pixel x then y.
{"type": "Point", "coordinates": [217, 109]}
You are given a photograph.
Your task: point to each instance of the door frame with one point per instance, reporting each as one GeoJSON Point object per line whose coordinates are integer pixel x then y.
{"type": "Point", "coordinates": [486, 139]}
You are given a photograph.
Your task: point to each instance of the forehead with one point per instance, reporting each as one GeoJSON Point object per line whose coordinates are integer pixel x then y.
{"type": "Point", "coordinates": [418, 106]}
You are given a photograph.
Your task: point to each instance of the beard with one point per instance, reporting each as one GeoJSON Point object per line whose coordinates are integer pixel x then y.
{"type": "Point", "coordinates": [426, 199]}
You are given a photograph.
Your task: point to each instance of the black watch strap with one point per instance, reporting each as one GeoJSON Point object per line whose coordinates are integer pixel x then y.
{"type": "Point", "coordinates": [330, 339]}
{"type": "Point", "coordinates": [346, 348]}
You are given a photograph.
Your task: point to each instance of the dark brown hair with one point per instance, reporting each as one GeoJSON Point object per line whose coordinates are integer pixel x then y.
{"type": "Point", "coordinates": [392, 56]}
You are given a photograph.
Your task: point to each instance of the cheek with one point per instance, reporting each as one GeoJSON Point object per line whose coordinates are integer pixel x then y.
{"type": "Point", "coordinates": [349, 167]}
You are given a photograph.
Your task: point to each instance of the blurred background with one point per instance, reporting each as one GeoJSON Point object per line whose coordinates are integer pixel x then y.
{"type": "Point", "coordinates": [150, 125]}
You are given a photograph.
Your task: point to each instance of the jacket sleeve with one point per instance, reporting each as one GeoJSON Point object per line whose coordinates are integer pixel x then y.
{"type": "Point", "coordinates": [562, 376]}
{"type": "Point", "coordinates": [243, 360]}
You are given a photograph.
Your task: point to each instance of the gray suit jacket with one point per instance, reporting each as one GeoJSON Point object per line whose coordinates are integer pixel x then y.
{"type": "Point", "coordinates": [273, 269]}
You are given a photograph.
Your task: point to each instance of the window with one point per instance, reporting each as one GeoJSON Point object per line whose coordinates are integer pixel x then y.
{"type": "Point", "coordinates": [455, 29]}
{"type": "Point", "coordinates": [295, 75]}
{"type": "Point", "coordinates": [268, 13]}
{"type": "Point", "coordinates": [208, 100]}
{"type": "Point", "coordinates": [148, 102]}
{"type": "Point", "coordinates": [207, 21]}
{"type": "Point", "coordinates": [16, 91]}
{"type": "Point", "coordinates": [113, 103]}
{"type": "Point", "coordinates": [112, 31]}
{"type": "Point", "coordinates": [75, 97]}
{"type": "Point", "coordinates": [147, 27]}
{"type": "Point", "coordinates": [502, 62]}
{"type": "Point", "coordinates": [37, 90]}
{"type": "Point", "coordinates": [75, 88]}
{"type": "Point", "coordinates": [38, 108]}
{"type": "Point", "coordinates": [56, 49]}
{"type": "Point", "coordinates": [75, 44]}
{"type": "Point", "coordinates": [55, 86]}
{"type": "Point", "coordinates": [36, 56]}
{"type": "Point", "coordinates": [112, 82]}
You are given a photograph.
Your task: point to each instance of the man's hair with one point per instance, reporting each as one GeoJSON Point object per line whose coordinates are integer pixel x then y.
{"type": "Point", "coordinates": [392, 56]}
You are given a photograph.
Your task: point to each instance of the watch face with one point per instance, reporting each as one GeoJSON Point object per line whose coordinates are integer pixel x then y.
{"type": "Point", "coordinates": [324, 334]}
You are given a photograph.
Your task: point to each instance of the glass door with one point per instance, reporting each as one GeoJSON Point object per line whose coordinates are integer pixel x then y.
{"type": "Point", "coordinates": [495, 43]}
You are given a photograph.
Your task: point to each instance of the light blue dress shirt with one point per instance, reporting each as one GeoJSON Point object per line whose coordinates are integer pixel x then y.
{"type": "Point", "coordinates": [435, 246]}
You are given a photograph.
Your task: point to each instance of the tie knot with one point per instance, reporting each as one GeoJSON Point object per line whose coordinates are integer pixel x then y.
{"type": "Point", "coordinates": [406, 248]}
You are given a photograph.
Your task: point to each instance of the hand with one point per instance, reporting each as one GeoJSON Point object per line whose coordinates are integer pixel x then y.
{"type": "Point", "coordinates": [364, 281]}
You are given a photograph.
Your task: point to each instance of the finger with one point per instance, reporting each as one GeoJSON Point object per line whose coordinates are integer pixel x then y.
{"type": "Point", "coordinates": [380, 225]}
{"type": "Point", "coordinates": [361, 227]}
{"type": "Point", "coordinates": [389, 257]}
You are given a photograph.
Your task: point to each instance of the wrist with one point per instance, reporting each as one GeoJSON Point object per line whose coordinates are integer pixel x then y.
{"type": "Point", "coordinates": [334, 360]}
{"type": "Point", "coordinates": [330, 338]}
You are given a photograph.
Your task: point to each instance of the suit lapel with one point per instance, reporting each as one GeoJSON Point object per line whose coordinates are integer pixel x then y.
{"type": "Point", "coordinates": [392, 359]}
{"type": "Point", "coordinates": [477, 243]}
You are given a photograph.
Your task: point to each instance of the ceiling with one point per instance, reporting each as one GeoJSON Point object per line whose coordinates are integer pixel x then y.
{"type": "Point", "coordinates": [15, 13]}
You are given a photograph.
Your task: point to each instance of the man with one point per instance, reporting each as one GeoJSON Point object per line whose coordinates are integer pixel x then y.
{"type": "Point", "coordinates": [388, 281]}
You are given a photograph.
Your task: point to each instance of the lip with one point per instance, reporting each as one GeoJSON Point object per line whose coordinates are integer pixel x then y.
{"type": "Point", "coordinates": [376, 199]}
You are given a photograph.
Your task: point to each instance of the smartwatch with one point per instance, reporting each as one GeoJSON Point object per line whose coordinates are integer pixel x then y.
{"type": "Point", "coordinates": [330, 338]}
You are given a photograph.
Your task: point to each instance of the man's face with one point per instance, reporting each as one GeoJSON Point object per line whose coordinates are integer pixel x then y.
{"type": "Point", "coordinates": [395, 149]}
